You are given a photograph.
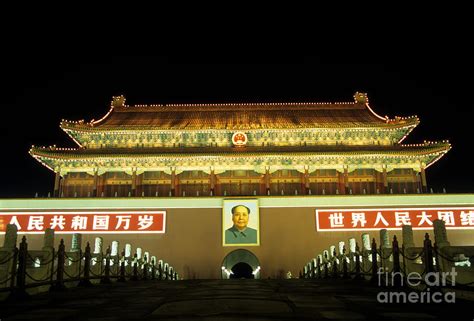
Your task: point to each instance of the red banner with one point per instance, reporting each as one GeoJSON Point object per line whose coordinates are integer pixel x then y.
{"type": "Point", "coordinates": [86, 222]}
{"type": "Point", "coordinates": [393, 218]}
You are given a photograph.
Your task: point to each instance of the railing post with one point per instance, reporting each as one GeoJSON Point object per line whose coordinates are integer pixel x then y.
{"type": "Point", "coordinates": [167, 272]}
{"type": "Point", "coordinates": [397, 281]}
{"type": "Point", "coordinates": [135, 268]}
{"type": "Point", "coordinates": [145, 268]}
{"type": "Point", "coordinates": [79, 263]}
{"type": "Point", "coordinates": [51, 275]}
{"type": "Point", "coordinates": [59, 283]}
{"type": "Point", "coordinates": [374, 262]}
{"type": "Point", "coordinates": [436, 257]}
{"type": "Point", "coordinates": [326, 268]}
{"type": "Point", "coordinates": [106, 277]}
{"type": "Point", "coordinates": [160, 272]}
{"type": "Point", "coordinates": [122, 268]}
{"type": "Point", "coordinates": [153, 269]}
{"type": "Point", "coordinates": [19, 291]}
{"type": "Point", "coordinates": [21, 276]}
{"type": "Point", "coordinates": [175, 276]}
{"type": "Point", "coordinates": [334, 265]}
{"type": "Point", "coordinates": [345, 274]}
{"type": "Point", "coordinates": [428, 254]}
{"type": "Point", "coordinates": [358, 275]}
{"type": "Point", "coordinates": [319, 267]}
{"type": "Point", "coordinates": [85, 281]}
{"type": "Point", "coordinates": [14, 267]}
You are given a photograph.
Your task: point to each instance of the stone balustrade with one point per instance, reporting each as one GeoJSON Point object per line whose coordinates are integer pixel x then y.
{"type": "Point", "coordinates": [24, 272]}
{"type": "Point", "coordinates": [391, 263]}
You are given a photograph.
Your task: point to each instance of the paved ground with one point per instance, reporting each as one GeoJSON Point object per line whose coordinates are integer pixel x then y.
{"type": "Point", "coordinates": [227, 300]}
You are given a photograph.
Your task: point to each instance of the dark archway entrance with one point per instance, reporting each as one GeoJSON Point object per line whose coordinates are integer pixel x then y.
{"type": "Point", "coordinates": [240, 264]}
{"type": "Point", "coordinates": [242, 271]}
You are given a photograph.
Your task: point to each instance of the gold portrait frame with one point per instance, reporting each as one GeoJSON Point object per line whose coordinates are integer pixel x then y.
{"type": "Point", "coordinates": [253, 223]}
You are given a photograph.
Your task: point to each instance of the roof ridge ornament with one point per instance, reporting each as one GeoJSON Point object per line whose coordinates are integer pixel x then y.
{"type": "Point", "coordinates": [361, 98]}
{"type": "Point", "coordinates": [118, 101]}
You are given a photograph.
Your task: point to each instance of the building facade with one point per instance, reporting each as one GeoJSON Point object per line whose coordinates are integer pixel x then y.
{"type": "Point", "coordinates": [168, 178]}
{"type": "Point", "coordinates": [240, 150]}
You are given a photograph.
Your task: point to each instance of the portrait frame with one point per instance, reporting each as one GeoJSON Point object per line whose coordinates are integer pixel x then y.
{"type": "Point", "coordinates": [253, 222]}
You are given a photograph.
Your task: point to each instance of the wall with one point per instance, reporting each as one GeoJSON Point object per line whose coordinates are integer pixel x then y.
{"type": "Point", "coordinates": [192, 243]}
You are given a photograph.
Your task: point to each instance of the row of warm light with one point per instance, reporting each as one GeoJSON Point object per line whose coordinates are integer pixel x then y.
{"type": "Point", "coordinates": [426, 143]}
{"type": "Point", "coordinates": [369, 143]}
{"type": "Point", "coordinates": [72, 121]}
{"type": "Point", "coordinates": [242, 104]}
{"type": "Point", "coordinates": [357, 98]}
{"type": "Point", "coordinates": [397, 118]}
{"type": "Point", "coordinates": [362, 154]}
{"type": "Point", "coordinates": [91, 124]}
{"type": "Point", "coordinates": [213, 135]}
{"type": "Point", "coordinates": [226, 135]}
{"type": "Point", "coordinates": [143, 130]}
{"type": "Point", "coordinates": [199, 142]}
{"type": "Point", "coordinates": [33, 147]}
{"type": "Point", "coordinates": [307, 161]}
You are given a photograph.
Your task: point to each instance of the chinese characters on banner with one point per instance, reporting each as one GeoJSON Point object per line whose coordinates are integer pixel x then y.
{"type": "Point", "coordinates": [86, 222]}
{"type": "Point", "coordinates": [393, 218]}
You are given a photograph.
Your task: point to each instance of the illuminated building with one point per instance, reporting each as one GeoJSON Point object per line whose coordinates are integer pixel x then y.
{"type": "Point", "coordinates": [240, 150]}
{"type": "Point", "coordinates": [309, 175]}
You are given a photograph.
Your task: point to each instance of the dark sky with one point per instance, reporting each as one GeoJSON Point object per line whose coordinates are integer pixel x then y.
{"type": "Point", "coordinates": [43, 83]}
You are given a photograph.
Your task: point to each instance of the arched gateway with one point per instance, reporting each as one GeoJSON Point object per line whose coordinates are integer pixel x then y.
{"type": "Point", "coordinates": [240, 264]}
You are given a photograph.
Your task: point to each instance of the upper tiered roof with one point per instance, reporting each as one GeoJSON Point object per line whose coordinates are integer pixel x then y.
{"type": "Point", "coordinates": [248, 116]}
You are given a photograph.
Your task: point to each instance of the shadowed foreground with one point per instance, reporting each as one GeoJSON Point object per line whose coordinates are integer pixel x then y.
{"type": "Point", "coordinates": [297, 299]}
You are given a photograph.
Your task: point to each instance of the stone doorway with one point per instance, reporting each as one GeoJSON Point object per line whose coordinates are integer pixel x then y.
{"type": "Point", "coordinates": [242, 271]}
{"type": "Point", "coordinates": [240, 264]}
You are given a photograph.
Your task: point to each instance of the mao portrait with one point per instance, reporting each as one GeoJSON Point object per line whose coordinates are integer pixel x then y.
{"type": "Point", "coordinates": [240, 223]}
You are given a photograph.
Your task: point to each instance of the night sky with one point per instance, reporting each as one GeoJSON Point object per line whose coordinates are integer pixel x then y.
{"type": "Point", "coordinates": [55, 82]}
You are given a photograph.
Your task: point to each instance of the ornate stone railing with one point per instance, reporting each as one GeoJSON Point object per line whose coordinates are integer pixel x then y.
{"type": "Point", "coordinates": [391, 264]}
{"type": "Point", "coordinates": [24, 272]}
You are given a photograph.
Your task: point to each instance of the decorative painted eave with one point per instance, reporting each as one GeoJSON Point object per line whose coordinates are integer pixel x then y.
{"type": "Point", "coordinates": [416, 155]}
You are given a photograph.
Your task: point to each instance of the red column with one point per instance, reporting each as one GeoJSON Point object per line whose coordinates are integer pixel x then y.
{"type": "Point", "coordinates": [57, 181]}
{"type": "Point", "coordinates": [423, 180]}
{"type": "Point", "coordinates": [173, 182]}
{"type": "Point", "coordinates": [341, 183]}
{"type": "Point", "coordinates": [346, 180]}
{"type": "Point", "coordinates": [96, 182]}
{"type": "Point", "coordinates": [134, 182]}
{"type": "Point", "coordinates": [306, 181]}
{"type": "Point", "coordinates": [267, 181]}
{"type": "Point", "coordinates": [212, 182]}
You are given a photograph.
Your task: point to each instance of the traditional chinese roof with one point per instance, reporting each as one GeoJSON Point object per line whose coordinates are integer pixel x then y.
{"type": "Point", "coordinates": [53, 157]}
{"type": "Point", "coordinates": [279, 134]}
{"type": "Point", "coordinates": [248, 116]}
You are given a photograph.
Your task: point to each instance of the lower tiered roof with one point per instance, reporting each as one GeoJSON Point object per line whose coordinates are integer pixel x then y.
{"type": "Point", "coordinates": [60, 159]}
